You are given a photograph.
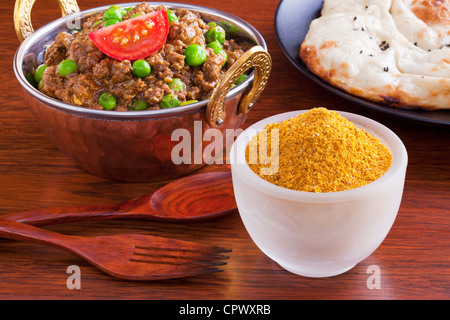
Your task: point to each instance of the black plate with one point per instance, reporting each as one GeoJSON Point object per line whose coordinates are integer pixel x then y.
{"type": "Point", "coordinates": [292, 20]}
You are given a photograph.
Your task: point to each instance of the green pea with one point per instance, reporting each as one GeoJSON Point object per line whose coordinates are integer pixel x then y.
{"type": "Point", "coordinates": [225, 56]}
{"type": "Point", "coordinates": [139, 105]}
{"type": "Point", "coordinates": [241, 78]}
{"type": "Point", "coordinates": [177, 84]}
{"type": "Point", "coordinates": [169, 101]}
{"type": "Point", "coordinates": [66, 67]}
{"type": "Point", "coordinates": [107, 101]}
{"type": "Point", "coordinates": [39, 73]}
{"type": "Point", "coordinates": [113, 13]}
{"type": "Point", "coordinates": [218, 48]}
{"type": "Point", "coordinates": [30, 78]}
{"type": "Point", "coordinates": [122, 11]}
{"type": "Point", "coordinates": [195, 55]}
{"type": "Point", "coordinates": [172, 16]}
{"type": "Point", "coordinates": [141, 68]}
{"type": "Point", "coordinates": [215, 46]}
{"type": "Point", "coordinates": [110, 22]}
{"type": "Point", "coordinates": [188, 102]}
{"type": "Point", "coordinates": [215, 33]}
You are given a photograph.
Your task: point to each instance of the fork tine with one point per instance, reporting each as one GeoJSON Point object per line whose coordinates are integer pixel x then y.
{"type": "Point", "coordinates": [187, 269]}
{"type": "Point", "coordinates": [199, 259]}
{"type": "Point", "coordinates": [175, 252]}
{"type": "Point", "coordinates": [211, 260]}
{"type": "Point", "coordinates": [207, 256]}
{"type": "Point", "coordinates": [199, 249]}
{"type": "Point", "coordinates": [151, 257]}
{"type": "Point", "coordinates": [187, 263]}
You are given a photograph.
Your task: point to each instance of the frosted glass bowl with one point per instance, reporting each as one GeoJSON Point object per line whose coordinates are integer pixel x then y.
{"type": "Point", "coordinates": [318, 234]}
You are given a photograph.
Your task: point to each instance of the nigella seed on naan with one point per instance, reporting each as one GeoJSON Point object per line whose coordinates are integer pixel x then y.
{"type": "Point", "coordinates": [389, 51]}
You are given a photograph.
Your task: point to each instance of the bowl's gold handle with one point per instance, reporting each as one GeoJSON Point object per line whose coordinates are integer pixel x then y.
{"type": "Point", "coordinates": [22, 15]}
{"type": "Point", "coordinates": [258, 58]}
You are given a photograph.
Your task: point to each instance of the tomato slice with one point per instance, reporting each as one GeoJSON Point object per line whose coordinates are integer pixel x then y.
{"type": "Point", "coordinates": [135, 38]}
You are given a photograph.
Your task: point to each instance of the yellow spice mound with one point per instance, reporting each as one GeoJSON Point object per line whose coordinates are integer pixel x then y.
{"type": "Point", "coordinates": [318, 151]}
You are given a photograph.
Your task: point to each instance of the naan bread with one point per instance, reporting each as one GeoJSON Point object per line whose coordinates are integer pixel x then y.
{"type": "Point", "coordinates": [389, 51]}
{"type": "Point", "coordinates": [426, 23]}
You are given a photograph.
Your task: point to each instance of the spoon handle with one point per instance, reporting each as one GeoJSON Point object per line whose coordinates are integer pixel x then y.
{"type": "Point", "coordinates": [58, 215]}
{"type": "Point", "coordinates": [193, 198]}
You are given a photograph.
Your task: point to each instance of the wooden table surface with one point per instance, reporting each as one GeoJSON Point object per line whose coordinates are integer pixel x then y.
{"type": "Point", "coordinates": [414, 259]}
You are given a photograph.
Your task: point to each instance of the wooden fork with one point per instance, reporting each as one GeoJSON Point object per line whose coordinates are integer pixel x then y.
{"type": "Point", "coordinates": [128, 256]}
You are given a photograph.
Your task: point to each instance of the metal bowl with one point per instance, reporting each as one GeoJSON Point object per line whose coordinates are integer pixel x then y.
{"type": "Point", "coordinates": [137, 146]}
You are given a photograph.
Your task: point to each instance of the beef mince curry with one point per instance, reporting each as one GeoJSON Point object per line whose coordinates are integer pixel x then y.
{"type": "Point", "coordinates": [138, 58]}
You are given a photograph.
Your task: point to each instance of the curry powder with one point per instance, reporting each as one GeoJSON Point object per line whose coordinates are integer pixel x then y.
{"type": "Point", "coordinates": [319, 151]}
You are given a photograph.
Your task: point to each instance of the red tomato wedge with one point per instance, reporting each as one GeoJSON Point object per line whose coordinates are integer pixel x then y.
{"type": "Point", "coordinates": [135, 38]}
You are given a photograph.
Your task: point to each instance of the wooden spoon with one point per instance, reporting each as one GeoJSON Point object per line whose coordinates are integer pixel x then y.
{"type": "Point", "coordinates": [128, 256]}
{"type": "Point", "coordinates": [192, 198]}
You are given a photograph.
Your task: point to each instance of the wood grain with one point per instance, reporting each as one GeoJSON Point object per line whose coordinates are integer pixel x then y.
{"type": "Point", "coordinates": [414, 259]}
